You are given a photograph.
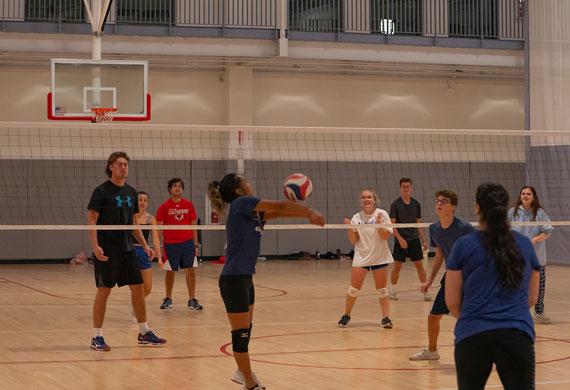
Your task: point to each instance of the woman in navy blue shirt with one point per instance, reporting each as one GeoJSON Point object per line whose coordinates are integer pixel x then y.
{"type": "Point", "coordinates": [492, 281]}
{"type": "Point", "coordinates": [244, 228]}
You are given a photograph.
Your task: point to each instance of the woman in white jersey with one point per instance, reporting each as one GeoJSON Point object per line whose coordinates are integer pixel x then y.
{"type": "Point", "coordinates": [371, 253]}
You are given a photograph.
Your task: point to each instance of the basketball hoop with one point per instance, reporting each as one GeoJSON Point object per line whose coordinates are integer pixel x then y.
{"type": "Point", "coordinates": [103, 114]}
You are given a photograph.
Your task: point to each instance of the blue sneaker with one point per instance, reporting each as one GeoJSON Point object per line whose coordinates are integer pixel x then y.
{"type": "Point", "coordinates": [151, 338]}
{"type": "Point", "coordinates": [98, 344]}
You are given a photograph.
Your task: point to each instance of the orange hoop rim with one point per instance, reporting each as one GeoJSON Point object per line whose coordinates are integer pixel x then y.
{"type": "Point", "coordinates": [103, 114]}
{"type": "Point", "coordinates": [103, 110]}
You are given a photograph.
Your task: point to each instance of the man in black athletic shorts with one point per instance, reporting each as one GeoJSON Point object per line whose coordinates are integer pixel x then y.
{"type": "Point", "coordinates": [408, 242]}
{"type": "Point", "coordinates": [115, 203]}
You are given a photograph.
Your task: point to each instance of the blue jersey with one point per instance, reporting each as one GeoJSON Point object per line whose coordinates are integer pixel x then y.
{"type": "Point", "coordinates": [445, 238]}
{"type": "Point", "coordinates": [487, 303]}
{"type": "Point", "coordinates": [244, 229]}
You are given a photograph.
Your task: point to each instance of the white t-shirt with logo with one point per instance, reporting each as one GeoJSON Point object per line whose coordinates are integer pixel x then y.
{"type": "Point", "coordinates": [370, 249]}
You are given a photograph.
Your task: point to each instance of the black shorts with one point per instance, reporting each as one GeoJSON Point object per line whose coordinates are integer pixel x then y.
{"type": "Point", "coordinates": [121, 269]}
{"type": "Point", "coordinates": [374, 267]}
{"type": "Point", "coordinates": [439, 307]}
{"type": "Point", "coordinates": [414, 250]}
{"type": "Point", "coordinates": [237, 292]}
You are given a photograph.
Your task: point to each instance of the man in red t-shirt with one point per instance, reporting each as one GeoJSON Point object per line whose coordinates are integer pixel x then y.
{"type": "Point", "coordinates": [180, 249]}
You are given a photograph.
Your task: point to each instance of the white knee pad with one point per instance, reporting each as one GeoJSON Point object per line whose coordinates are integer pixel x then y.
{"type": "Point", "coordinates": [382, 292]}
{"type": "Point", "coordinates": [353, 291]}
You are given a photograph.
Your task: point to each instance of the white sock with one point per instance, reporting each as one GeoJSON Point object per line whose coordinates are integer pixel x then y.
{"type": "Point", "coordinates": [143, 328]}
{"type": "Point", "coordinates": [97, 332]}
{"type": "Point", "coordinates": [393, 286]}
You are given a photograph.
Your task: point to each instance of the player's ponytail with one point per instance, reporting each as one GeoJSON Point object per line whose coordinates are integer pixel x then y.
{"type": "Point", "coordinates": [224, 191]}
{"type": "Point", "coordinates": [498, 240]}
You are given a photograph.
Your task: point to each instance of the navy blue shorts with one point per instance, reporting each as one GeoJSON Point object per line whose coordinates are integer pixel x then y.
{"type": "Point", "coordinates": [439, 307]}
{"type": "Point", "coordinates": [142, 258]}
{"type": "Point", "coordinates": [182, 254]}
{"type": "Point", "coordinates": [413, 251]}
{"type": "Point", "coordinates": [373, 267]}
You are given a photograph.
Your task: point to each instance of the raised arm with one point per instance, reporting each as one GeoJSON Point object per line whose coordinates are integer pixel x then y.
{"type": "Point", "coordinates": [288, 209]}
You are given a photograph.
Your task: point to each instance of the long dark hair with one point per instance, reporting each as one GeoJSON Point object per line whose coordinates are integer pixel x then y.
{"type": "Point", "coordinates": [224, 191]}
{"type": "Point", "coordinates": [534, 205]}
{"type": "Point", "coordinates": [498, 240]}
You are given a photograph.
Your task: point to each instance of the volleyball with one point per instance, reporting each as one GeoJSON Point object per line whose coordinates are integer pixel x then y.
{"type": "Point", "coordinates": [297, 187]}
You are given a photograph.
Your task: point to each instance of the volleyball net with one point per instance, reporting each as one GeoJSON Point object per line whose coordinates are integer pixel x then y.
{"type": "Point", "coordinates": [50, 170]}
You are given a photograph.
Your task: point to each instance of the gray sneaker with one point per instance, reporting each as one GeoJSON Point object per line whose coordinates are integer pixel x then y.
{"type": "Point", "coordinates": [193, 304]}
{"type": "Point", "coordinates": [166, 304]}
{"type": "Point", "coordinates": [425, 354]}
{"type": "Point", "coordinates": [542, 319]}
{"type": "Point", "coordinates": [239, 378]}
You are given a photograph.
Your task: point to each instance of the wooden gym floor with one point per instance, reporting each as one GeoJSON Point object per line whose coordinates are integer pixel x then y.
{"type": "Point", "coordinates": [45, 331]}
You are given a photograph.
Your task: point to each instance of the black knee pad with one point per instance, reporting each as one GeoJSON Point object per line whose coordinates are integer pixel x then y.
{"type": "Point", "coordinates": [240, 340]}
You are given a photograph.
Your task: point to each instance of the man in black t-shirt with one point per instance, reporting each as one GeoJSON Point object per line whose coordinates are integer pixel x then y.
{"type": "Point", "coordinates": [115, 203]}
{"type": "Point", "coordinates": [408, 242]}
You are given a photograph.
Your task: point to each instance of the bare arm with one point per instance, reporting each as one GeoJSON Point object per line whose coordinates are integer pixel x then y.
{"type": "Point", "coordinates": [453, 297]}
{"type": "Point", "coordinates": [92, 217]}
{"type": "Point", "coordinates": [353, 235]}
{"type": "Point", "coordinates": [288, 209]}
{"type": "Point", "coordinates": [533, 288]}
{"type": "Point", "coordinates": [160, 239]}
{"type": "Point", "coordinates": [195, 235]}
{"type": "Point", "coordinates": [539, 238]}
{"type": "Point", "coordinates": [421, 232]}
{"type": "Point", "coordinates": [156, 242]}
{"type": "Point", "coordinates": [435, 267]}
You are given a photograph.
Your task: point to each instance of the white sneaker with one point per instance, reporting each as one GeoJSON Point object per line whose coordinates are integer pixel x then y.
{"type": "Point", "coordinates": [425, 354]}
{"type": "Point", "coordinates": [239, 378]}
{"type": "Point", "coordinates": [542, 319]}
{"type": "Point", "coordinates": [427, 297]}
{"type": "Point", "coordinates": [393, 296]}
{"type": "Point", "coordinates": [133, 316]}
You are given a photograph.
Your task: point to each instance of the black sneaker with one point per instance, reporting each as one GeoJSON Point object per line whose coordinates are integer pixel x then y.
{"type": "Point", "coordinates": [193, 304]}
{"type": "Point", "coordinates": [166, 304]}
{"type": "Point", "coordinates": [345, 319]}
{"type": "Point", "coordinates": [387, 323]}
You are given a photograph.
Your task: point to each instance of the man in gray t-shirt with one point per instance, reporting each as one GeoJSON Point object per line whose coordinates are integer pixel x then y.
{"type": "Point", "coordinates": [408, 242]}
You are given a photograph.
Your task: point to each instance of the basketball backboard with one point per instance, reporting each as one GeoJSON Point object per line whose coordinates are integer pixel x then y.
{"type": "Point", "coordinates": [77, 86]}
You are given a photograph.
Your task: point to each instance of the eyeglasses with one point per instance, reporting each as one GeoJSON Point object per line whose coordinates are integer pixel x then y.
{"type": "Point", "coordinates": [441, 201]}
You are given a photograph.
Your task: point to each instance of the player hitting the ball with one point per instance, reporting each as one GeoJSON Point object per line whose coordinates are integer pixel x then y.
{"type": "Point", "coordinates": [244, 228]}
{"type": "Point", "coordinates": [371, 253]}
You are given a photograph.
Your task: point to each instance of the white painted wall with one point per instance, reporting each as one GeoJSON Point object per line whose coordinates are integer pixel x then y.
{"type": "Point", "coordinates": [203, 97]}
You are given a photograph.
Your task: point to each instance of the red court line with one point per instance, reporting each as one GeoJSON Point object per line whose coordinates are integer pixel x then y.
{"type": "Point", "coordinates": [111, 360]}
{"type": "Point", "coordinates": [281, 292]}
{"type": "Point", "coordinates": [224, 350]}
{"type": "Point", "coordinates": [35, 289]}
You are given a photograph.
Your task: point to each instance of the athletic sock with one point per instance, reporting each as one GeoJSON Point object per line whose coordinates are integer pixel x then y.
{"type": "Point", "coordinates": [143, 328]}
{"type": "Point", "coordinates": [97, 332]}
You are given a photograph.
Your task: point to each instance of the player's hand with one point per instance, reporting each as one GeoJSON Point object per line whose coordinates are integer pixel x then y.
{"type": "Point", "coordinates": [403, 243]}
{"type": "Point", "coordinates": [425, 246]}
{"type": "Point", "coordinates": [378, 218]}
{"type": "Point", "coordinates": [347, 221]}
{"type": "Point", "coordinates": [316, 218]}
{"type": "Point", "coordinates": [160, 263]}
{"type": "Point", "coordinates": [533, 240]}
{"type": "Point", "coordinates": [99, 254]}
{"type": "Point", "coordinates": [150, 253]}
{"type": "Point", "coordinates": [424, 287]}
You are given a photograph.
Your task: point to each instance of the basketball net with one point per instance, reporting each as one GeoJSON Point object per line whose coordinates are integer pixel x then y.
{"type": "Point", "coordinates": [103, 114]}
